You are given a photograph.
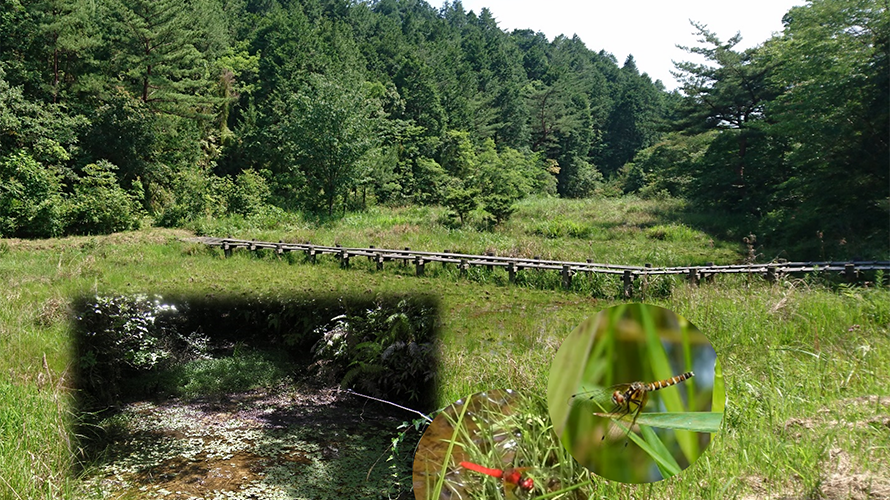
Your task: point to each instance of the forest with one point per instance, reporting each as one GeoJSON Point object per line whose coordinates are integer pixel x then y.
{"type": "Point", "coordinates": [116, 114]}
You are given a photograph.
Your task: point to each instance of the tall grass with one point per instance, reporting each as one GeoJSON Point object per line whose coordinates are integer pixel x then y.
{"type": "Point", "coordinates": [612, 230]}
{"type": "Point", "coordinates": [804, 364]}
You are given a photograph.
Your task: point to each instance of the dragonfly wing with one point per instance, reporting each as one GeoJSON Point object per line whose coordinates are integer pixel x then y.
{"type": "Point", "coordinates": [598, 399]}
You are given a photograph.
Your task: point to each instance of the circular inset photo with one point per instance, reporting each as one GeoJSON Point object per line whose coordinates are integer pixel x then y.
{"type": "Point", "coordinates": [635, 393]}
{"type": "Point", "coordinates": [495, 444]}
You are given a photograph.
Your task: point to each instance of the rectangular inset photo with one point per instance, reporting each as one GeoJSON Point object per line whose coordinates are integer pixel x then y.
{"type": "Point", "coordinates": [205, 397]}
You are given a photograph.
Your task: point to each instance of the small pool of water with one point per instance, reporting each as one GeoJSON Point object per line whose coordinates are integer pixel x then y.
{"type": "Point", "coordinates": [282, 443]}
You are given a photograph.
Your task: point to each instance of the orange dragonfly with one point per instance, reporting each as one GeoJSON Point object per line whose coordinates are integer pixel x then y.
{"type": "Point", "coordinates": [626, 399]}
{"type": "Point", "coordinates": [509, 475]}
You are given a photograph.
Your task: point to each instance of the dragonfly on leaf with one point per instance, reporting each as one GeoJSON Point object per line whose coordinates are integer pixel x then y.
{"type": "Point", "coordinates": [627, 400]}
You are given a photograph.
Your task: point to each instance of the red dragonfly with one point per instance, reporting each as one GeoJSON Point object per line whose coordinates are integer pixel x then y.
{"type": "Point", "coordinates": [510, 475]}
{"type": "Point", "coordinates": [628, 398]}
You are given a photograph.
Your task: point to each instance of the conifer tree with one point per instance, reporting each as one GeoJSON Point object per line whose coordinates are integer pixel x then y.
{"type": "Point", "coordinates": [153, 50]}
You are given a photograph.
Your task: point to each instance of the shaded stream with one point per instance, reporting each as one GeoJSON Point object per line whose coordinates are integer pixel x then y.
{"type": "Point", "coordinates": [284, 443]}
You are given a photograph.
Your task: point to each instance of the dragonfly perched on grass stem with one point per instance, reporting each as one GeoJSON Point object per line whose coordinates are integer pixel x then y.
{"type": "Point", "coordinates": [510, 475]}
{"type": "Point", "coordinates": [627, 400]}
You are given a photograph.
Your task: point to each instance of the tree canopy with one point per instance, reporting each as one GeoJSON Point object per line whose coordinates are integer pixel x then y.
{"type": "Point", "coordinates": [791, 135]}
{"type": "Point", "coordinates": [329, 105]}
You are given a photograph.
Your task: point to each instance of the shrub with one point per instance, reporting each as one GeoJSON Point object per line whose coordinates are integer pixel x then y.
{"type": "Point", "coordinates": [100, 205]}
{"type": "Point", "coordinates": [461, 200]}
{"type": "Point", "coordinates": [387, 352]}
{"type": "Point", "coordinates": [121, 336]}
{"type": "Point", "coordinates": [250, 193]}
{"type": "Point", "coordinates": [500, 207]}
{"type": "Point", "coordinates": [196, 195]}
{"type": "Point", "coordinates": [562, 228]}
{"type": "Point", "coordinates": [583, 180]}
{"type": "Point", "coordinates": [31, 202]}
{"type": "Point", "coordinates": [673, 232]}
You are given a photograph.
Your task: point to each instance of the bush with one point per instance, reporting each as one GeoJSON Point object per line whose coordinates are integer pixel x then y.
{"type": "Point", "coordinates": [562, 228]}
{"type": "Point", "coordinates": [250, 193]}
{"type": "Point", "coordinates": [500, 207]}
{"type": "Point", "coordinates": [196, 195]}
{"type": "Point", "coordinates": [121, 336]}
{"type": "Point", "coordinates": [462, 200]}
{"type": "Point", "coordinates": [387, 352]}
{"type": "Point", "coordinates": [673, 232]}
{"type": "Point", "coordinates": [31, 202]}
{"type": "Point", "coordinates": [583, 180]}
{"type": "Point", "coordinates": [100, 205]}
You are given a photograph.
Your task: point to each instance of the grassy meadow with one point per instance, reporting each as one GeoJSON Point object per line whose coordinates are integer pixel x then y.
{"type": "Point", "coordinates": [805, 360]}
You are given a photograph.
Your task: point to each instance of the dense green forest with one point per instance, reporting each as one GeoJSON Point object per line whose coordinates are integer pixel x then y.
{"type": "Point", "coordinates": [112, 110]}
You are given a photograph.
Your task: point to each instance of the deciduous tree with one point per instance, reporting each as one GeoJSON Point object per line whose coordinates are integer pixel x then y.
{"type": "Point", "coordinates": [325, 129]}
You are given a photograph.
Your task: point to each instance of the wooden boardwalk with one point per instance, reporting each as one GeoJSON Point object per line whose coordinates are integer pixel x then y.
{"type": "Point", "coordinates": [851, 271]}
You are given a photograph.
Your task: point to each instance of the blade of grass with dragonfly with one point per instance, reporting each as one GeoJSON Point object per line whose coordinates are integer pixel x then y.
{"type": "Point", "coordinates": [700, 421]}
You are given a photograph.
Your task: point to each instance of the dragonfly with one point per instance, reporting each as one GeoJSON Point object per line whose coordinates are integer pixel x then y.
{"type": "Point", "coordinates": [509, 475]}
{"type": "Point", "coordinates": [629, 398]}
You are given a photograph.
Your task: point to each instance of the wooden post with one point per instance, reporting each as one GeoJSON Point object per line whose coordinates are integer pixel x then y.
{"type": "Point", "coordinates": [511, 271]}
{"type": "Point", "coordinates": [628, 279]}
{"type": "Point", "coordinates": [567, 274]}
{"type": "Point", "coordinates": [771, 274]}
{"type": "Point", "coordinates": [709, 277]}
{"type": "Point", "coordinates": [311, 253]}
{"type": "Point", "coordinates": [463, 266]}
{"type": "Point", "coordinates": [379, 259]}
{"type": "Point", "coordinates": [371, 257]}
{"type": "Point", "coordinates": [418, 265]}
{"type": "Point", "coordinates": [644, 285]}
{"type": "Point", "coordinates": [404, 261]}
{"type": "Point", "coordinates": [850, 272]}
{"type": "Point", "coordinates": [227, 249]}
{"type": "Point", "coordinates": [344, 258]}
{"type": "Point", "coordinates": [693, 276]}
{"type": "Point", "coordinates": [279, 250]}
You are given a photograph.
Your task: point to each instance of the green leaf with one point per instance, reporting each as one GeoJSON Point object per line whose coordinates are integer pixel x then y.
{"type": "Point", "coordinates": [690, 421]}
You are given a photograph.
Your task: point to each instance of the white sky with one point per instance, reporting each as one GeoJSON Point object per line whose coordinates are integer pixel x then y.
{"type": "Point", "coordinates": [648, 29]}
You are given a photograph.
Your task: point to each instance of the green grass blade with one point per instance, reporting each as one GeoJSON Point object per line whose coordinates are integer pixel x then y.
{"type": "Point", "coordinates": [437, 492]}
{"type": "Point", "coordinates": [689, 442]}
{"type": "Point", "coordinates": [662, 369]}
{"type": "Point", "coordinates": [718, 398]}
{"type": "Point", "coordinates": [663, 458]}
{"type": "Point", "coordinates": [652, 446]}
{"type": "Point", "coordinates": [705, 422]}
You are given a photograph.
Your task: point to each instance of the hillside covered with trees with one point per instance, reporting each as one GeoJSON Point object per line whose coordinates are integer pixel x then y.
{"type": "Point", "coordinates": [112, 110]}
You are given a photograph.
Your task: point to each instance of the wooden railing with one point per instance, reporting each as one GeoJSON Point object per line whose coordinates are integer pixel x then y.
{"type": "Point", "coordinates": [851, 271]}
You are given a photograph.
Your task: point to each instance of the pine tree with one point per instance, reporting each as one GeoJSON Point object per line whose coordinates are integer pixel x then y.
{"type": "Point", "coordinates": [153, 50]}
